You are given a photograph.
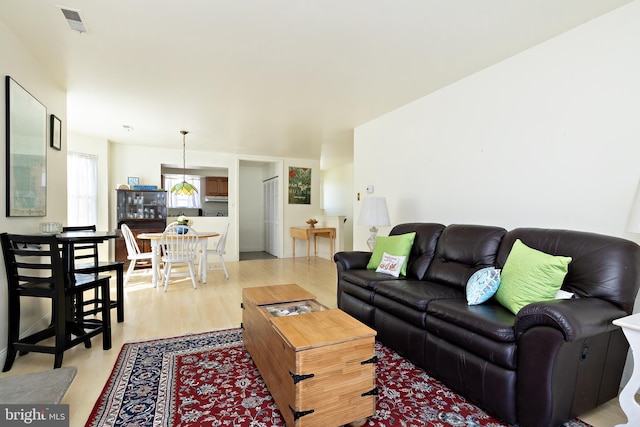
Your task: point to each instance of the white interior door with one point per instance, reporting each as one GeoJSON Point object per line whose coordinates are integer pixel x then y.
{"type": "Point", "coordinates": [272, 215]}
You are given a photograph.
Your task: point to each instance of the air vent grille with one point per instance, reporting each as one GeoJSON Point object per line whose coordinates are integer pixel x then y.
{"type": "Point", "coordinates": [74, 19]}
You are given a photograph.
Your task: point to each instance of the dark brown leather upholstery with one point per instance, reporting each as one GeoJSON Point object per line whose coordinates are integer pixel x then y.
{"type": "Point", "coordinates": [424, 246]}
{"type": "Point", "coordinates": [615, 258]}
{"type": "Point", "coordinates": [553, 361]}
{"type": "Point", "coordinates": [461, 250]}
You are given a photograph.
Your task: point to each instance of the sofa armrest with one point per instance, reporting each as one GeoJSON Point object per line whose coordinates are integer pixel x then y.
{"type": "Point", "coordinates": [351, 260]}
{"type": "Point", "coordinates": [575, 318]}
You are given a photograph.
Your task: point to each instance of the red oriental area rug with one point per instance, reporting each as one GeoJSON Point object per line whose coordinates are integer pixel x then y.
{"type": "Point", "coordinates": [209, 379]}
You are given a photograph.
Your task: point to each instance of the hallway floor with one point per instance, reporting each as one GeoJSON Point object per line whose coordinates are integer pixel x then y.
{"type": "Point", "coordinates": [246, 256]}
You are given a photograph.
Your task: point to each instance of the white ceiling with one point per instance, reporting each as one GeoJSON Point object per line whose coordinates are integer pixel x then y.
{"type": "Point", "coordinates": [270, 77]}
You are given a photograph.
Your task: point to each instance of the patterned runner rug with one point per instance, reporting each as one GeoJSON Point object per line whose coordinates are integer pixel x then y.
{"type": "Point", "coordinates": [209, 379]}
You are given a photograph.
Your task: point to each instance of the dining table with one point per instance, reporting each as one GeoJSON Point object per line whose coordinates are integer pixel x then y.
{"type": "Point", "coordinates": [68, 240]}
{"type": "Point", "coordinates": [156, 238]}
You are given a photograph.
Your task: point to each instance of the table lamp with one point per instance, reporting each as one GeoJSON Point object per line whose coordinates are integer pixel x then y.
{"type": "Point", "coordinates": [374, 213]}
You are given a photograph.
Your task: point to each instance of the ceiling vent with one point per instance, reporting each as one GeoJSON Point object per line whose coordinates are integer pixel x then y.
{"type": "Point", "coordinates": [73, 19]}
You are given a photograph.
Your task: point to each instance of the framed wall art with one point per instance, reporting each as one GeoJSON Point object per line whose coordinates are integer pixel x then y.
{"type": "Point", "coordinates": [56, 133]}
{"type": "Point", "coordinates": [26, 156]}
{"type": "Point", "coordinates": [299, 186]}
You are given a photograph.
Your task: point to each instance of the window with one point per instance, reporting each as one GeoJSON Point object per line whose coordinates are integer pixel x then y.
{"type": "Point", "coordinates": [182, 201]}
{"type": "Point", "coordinates": [82, 189]}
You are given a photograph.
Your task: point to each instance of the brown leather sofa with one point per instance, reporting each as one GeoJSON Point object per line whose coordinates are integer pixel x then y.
{"type": "Point", "coordinates": [551, 362]}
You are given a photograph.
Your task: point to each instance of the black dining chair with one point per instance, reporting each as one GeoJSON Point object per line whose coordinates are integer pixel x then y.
{"type": "Point", "coordinates": [86, 261]}
{"type": "Point", "coordinates": [35, 269]}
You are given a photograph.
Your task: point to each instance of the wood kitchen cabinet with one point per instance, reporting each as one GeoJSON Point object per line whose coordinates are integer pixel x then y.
{"type": "Point", "coordinates": [217, 186]}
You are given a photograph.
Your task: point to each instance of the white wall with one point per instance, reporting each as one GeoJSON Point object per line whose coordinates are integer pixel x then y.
{"type": "Point", "coordinates": [547, 138]}
{"type": "Point", "coordinates": [337, 188]}
{"type": "Point", "coordinates": [17, 62]}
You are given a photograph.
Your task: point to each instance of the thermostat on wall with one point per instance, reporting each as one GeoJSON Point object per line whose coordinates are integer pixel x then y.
{"type": "Point", "coordinates": [369, 189]}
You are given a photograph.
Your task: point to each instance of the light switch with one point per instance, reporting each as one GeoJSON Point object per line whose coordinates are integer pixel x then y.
{"type": "Point", "coordinates": [369, 189]}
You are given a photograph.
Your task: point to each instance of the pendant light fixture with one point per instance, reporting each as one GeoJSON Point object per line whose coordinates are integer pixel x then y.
{"type": "Point", "coordinates": [184, 188]}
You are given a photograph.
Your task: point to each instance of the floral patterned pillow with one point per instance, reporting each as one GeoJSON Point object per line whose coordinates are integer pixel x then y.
{"type": "Point", "coordinates": [390, 264]}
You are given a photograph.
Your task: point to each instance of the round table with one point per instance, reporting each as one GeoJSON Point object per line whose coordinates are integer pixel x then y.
{"type": "Point", "coordinates": [155, 239]}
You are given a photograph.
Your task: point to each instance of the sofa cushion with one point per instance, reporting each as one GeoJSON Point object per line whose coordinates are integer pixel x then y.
{"type": "Point", "coordinates": [424, 245]}
{"type": "Point", "coordinates": [530, 276]}
{"type": "Point", "coordinates": [482, 285]}
{"type": "Point", "coordinates": [362, 293]}
{"type": "Point", "coordinates": [501, 353]}
{"type": "Point", "coordinates": [387, 309]}
{"type": "Point", "coordinates": [461, 250]}
{"type": "Point", "coordinates": [415, 293]}
{"type": "Point", "coordinates": [365, 278]}
{"type": "Point", "coordinates": [490, 319]}
{"type": "Point", "coordinates": [394, 245]}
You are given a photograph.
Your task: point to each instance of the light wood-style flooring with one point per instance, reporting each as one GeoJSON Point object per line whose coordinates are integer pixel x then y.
{"type": "Point", "coordinates": [152, 313]}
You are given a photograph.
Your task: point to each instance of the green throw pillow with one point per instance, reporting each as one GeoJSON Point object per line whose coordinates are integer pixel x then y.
{"type": "Point", "coordinates": [399, 245]}
{"type": "Point", "coordinates": [530, 276]}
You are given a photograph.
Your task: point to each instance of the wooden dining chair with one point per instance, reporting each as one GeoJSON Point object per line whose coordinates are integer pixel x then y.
{"type": "Point", "coordinates": [134, 254]}
{"type": "Point", "coordinates": [35, 269]}
{"type": "Point", "coordinates": [219, 251]}
{"type": "Point", "coordinates": [86, 260]}
{"type": "Point", "coordinates": [179, 245]}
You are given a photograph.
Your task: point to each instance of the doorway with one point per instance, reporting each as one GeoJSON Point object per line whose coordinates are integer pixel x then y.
{"type": "Point", "coordinates": [260, 209]}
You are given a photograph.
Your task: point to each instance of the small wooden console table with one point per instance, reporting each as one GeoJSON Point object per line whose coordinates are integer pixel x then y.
{"type": "Point", "coordinates": [306, 233]}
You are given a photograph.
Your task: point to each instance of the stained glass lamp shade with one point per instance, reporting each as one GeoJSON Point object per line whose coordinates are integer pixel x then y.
{"type": "Point", "coordinates": [184, 188]}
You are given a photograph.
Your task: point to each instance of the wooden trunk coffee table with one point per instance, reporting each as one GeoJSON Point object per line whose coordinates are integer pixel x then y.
{"type": "Point", "coordinates": [318, 363]}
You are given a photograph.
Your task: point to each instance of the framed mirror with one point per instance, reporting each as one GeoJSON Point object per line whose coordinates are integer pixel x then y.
{"type": "Point", "coordinates": [26, 152]}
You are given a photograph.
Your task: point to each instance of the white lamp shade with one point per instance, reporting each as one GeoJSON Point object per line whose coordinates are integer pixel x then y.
{"type": "Point", "coordinates": [374, 212]}
{"type": "Point", "coordinates": [633, 224]}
